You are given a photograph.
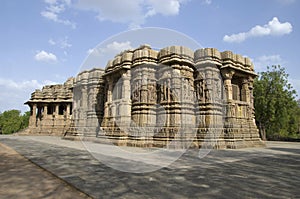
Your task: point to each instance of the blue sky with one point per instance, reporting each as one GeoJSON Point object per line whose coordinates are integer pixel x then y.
{"type": "Point", "coordinates": [46, 41]}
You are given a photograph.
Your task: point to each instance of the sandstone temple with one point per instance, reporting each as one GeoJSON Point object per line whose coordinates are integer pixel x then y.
{"type": "Point", "coordinates": [174, 97]}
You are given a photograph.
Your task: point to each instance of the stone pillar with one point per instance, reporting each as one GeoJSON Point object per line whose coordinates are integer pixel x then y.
{"type": "Point", "coordinates": [125, 104]}
{"type": "Point", "coordinates": [56, 109]}
{"type": "Point", "coordinates": [227, 75]}
{"type": "Point", "coordinates": [251, 98]}
{"type": "Point", "coordinates": [45, 113]}
{"type": "Point", "coordinates": [126, 85]}
{"type": "Point", "coordinates": [245, 91]}
{"type": "Point", "coordinates": [68, 110]}
{"type": "Point", "coordinates": [109, 91]}
{"type": "Point", "coordinates": [34, 110]}
{"type": "Point", "coordinates": [144, 90]}
{"type": "Point", "coordinates": [231, 106]}
{"type": "Point", "coordinates": [107, 105]}
{"type": "Point", "coordinates": [32, 120]}
{"type": "Point", "coordinates": [113, 110]}
{"type": "Point", "coordinates": [83, 109]}
{"type": "Point", "coordinates": [84, 98]}
{"type": "Point", "coordinates": [39, 116]}
{"type": "Point", "coordinates": [251, 101]}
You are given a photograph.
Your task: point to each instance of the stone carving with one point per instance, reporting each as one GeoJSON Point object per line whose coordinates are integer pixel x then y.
{"type": "Point", "coordinates": [151, 93]}
{"type": "Point", "coordinates": [200, 90]}
{"type": "Point", "coordinates": [153, 90]}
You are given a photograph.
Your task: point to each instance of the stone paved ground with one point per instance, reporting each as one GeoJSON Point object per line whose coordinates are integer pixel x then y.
{"type": "Point", "coordinates": [271, 172]}
{"type": "Point", "coordinates": [22, 179]}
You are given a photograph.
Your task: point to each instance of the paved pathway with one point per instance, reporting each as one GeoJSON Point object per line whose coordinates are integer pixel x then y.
{"type": "Point", "coordinates": [22, 179]}
{"type": "Point", "coordinates": [271, 172]}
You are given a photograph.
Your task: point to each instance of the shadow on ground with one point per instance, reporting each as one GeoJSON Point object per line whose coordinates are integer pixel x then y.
{"type": "Point", "coordinates": [260, 173]}
{"type": "Point", "coordinates": [22, 179]}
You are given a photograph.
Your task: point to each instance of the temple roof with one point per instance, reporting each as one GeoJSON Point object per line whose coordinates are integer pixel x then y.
{"type": "Point", "coordinates": [179, 54]}
{"type": "Point", "coordinates": [53, 93]}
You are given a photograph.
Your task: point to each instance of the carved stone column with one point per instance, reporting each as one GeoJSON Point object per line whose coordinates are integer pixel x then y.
{"type": "Point", "coordinates": [251, 98]}
{"type": "Point", "coordinates": [32, 120]}
{"type": "Point", "coordinates": [144, 90]}
{"type": "Point", "coordinates": [126, 85]}
{"type": "Point", "coordinates": [68, 110]}
{"type": "Point", "coordinates": [45, 113]}
{"type": "Point", "coordinates": [227, 75]}
{"type": "Point", "coordinates": [110, 90]}
{"type": "Point", "coordinates": [125, 106]}
{"type": "Point", "coordinates": [39, 116]}
{"type": "Point", "coordinates": [251, 101]}
{"type": "Point", "coordinates": [34, 110]}
{"type": "Point", "coordinates": [245, 91]}
{"type": "Point", "coordinates": [108, 122]}
{"type": "Point", "coordinates": [84, 98]}
{"type": "Point", "coordinates": [107, 97]}
{"type": "Point", "coordinates": [56, 109]}
{"type": "Point", "coordinates": [231, 107]}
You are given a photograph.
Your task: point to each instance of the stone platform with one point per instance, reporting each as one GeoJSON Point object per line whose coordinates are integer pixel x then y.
{"type": "Point", "coordinates": [270, 172]}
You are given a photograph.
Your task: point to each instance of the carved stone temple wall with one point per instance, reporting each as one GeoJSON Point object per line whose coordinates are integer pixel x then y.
{"type": "Point", "coordinates": [88, 100]}
{"type": "Point", "coordinates": [174, 98]}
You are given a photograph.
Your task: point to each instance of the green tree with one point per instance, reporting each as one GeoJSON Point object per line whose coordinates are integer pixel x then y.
{"type": "Point", "coordinates": [12, 121]}
{"type": "Point", "coordinates": [25, 120]}
{"type": "Point", "coordinates": [298, 120]}
{"type": "Point", "coordinates": [276, 110]}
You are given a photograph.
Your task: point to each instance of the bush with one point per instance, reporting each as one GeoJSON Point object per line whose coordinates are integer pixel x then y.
{"type": "Point", "coordinates": [13, 121]}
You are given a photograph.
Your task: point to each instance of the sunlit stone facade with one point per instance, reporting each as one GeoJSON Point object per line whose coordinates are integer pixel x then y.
{"type": "Point", "coordinates": [174, 97]}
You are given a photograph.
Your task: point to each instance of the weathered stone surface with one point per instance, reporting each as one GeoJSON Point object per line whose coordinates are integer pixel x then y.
{"type": "Point", "coordinates": [87, 104]}
{"type": "Point", "coordinates": [152, 98]}
{"type": "Point", "coordinates": [271, 172]}
{"type": "Point", "coordinates": [22, 179]}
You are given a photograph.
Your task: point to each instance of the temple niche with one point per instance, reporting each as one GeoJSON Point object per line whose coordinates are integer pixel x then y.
{"type": "Point", "coordinates": [174, 98]}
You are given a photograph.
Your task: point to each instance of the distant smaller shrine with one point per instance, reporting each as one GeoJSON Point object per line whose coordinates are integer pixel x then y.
{"type": "Point", "coordinates": [51, 109]}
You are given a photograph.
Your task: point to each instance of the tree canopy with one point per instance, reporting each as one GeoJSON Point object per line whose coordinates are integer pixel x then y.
{"type": "Point", "coordinates": [276, 109]}
{"type": "Point", "coordinates": [13, 121]}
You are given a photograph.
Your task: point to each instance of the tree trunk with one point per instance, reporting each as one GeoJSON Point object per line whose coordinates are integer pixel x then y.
{"type": "Point", "coordinates": [262, 132]}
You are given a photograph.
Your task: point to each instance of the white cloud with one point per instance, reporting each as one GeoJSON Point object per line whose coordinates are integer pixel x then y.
{"type": "Point", "coordinates": [27, 84]}
{"type": "Point", "coordinates": [98, 57]}
{"type": "Point", "coordinates": [18, 92]}
{"type": "Point", "coordinates": [133, 12]}
{"type": "Point", "coordinates": [235, 37]}
{"type": "Point", "coordinates": [114, 10]}
{"type": "Point", "coordinates": [65, 44]}
{"type": "Point", "coordinates": [49, 15]}
{"type": "Point", "coordinates": [54, 8]}
{"type": "Point", "coordinates": [119, 46]}
{"type": "Point", "coordinates": [208, 2]}
{"type": "Point", "coordinates": [166, 7]}
{"type": "Point", "coordinates": [51, 42]}
{"type": "Point", "coordinates": [62, 43]}
{"type": "Point", "coordinates": [91, 50]}
{"type": "Point", "coordinates": [262, 62]}
{"type": "Point", "coordinates": [274, 27]}
{"type": "Point", "coordinates": [112, 48]}
{"type": "Point", "coordinates": [51, 1]}
{"type": "Point", "coordinates": [45, 56]}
